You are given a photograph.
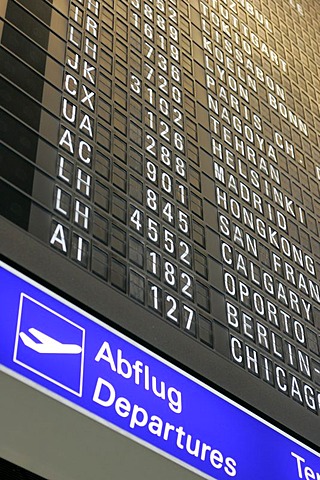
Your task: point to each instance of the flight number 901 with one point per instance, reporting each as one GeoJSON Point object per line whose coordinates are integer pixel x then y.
{"type": "Point", "coordinates": [166, 182]}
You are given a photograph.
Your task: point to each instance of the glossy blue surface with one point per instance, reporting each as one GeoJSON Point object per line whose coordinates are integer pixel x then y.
{"type": "Point", "coordinates": [57, 347]}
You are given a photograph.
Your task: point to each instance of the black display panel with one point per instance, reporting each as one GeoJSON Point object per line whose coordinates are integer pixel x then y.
{"type": "Point", "coordinates": [10, 471]}
{"type": "Point", "coordinates": [165, 154]}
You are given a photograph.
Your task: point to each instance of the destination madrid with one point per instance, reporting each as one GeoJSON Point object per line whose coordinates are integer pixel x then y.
{"type": "Point", "coordinates": [134, 416]}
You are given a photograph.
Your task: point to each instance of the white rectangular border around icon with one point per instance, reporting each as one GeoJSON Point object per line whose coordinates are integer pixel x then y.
{"type": "Point", "coordinates": [78, 392]}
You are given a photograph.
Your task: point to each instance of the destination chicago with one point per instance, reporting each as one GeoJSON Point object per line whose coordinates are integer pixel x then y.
{"type": "Point", "coordinates": [274, 374]}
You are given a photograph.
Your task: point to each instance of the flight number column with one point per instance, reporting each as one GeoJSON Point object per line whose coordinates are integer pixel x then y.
{"type": "Point", "coordinates": [161, 217]}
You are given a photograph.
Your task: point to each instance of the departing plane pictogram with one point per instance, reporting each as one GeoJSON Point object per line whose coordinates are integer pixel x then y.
{"type": "Point", "coordinates": [48, 344]}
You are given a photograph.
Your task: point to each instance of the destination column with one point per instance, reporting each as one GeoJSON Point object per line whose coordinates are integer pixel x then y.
{"type": "Point", "coordinates": [270, 279]}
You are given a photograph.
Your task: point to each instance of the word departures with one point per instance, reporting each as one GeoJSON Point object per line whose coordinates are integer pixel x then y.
{"type": "Point", "coordinates": [62, 351]}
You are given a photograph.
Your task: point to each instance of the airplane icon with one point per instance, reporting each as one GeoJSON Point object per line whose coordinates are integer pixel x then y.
{"type": "Point", "coordinates": [48, 344]}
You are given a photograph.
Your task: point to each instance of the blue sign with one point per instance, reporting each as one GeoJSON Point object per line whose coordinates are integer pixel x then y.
{"type": "Point", "coordinates": [68, 353]}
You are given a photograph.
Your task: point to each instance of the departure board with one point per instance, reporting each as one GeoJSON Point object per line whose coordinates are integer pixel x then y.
{"type": "Point", "coordinates": [169, 151]}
